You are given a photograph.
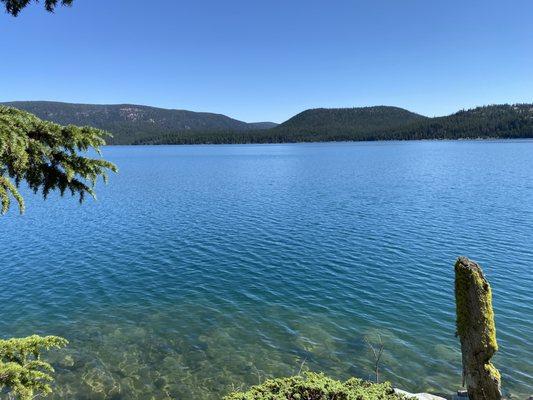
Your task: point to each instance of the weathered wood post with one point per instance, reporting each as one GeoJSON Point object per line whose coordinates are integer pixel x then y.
{"type": "Point", "coordinates": [476, 330]}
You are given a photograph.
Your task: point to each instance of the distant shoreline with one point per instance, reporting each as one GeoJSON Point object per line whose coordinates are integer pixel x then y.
{"type": "Point", "coordinates": [131, 124]}
{"type": "Point", "coordinates": [480, 139]}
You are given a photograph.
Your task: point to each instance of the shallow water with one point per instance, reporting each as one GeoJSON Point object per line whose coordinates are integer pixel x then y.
{"type": "Point", "coordinates": [207, 268]}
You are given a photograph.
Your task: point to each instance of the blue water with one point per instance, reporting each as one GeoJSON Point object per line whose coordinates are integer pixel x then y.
{"type": "Point", "coordinates": [206, 268]}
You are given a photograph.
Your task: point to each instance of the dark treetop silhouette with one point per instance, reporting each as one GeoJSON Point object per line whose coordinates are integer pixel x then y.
{"type": "Point", "coordinates": [14, 7]}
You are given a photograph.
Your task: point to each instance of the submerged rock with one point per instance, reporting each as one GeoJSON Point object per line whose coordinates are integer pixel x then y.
{"type": "Point", "coordinates": [67, 361]}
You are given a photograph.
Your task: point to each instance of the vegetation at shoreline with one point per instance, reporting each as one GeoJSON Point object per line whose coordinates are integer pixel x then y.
{"type": "Point", "coordinates": [140, 125]}
{"type": "Point", "coordinates": [497, 121]}
{"type": "Point", "coordinates": [374, 123]}
{"type": "Point", "coordinates": [313, 386]}
{"type": "Point", "coordinates": [129, 123]}
{"type": "Point", "coordinates": [22, 371]}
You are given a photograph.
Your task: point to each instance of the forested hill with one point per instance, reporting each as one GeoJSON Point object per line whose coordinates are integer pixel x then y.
{"type": "Point", "coordinates": [129, 123]}
{"type": "Point", "coordinates": [132, 124]}
{"type": "Point", "coordinates": [374, 123]}
{"type": "Point", "coordinates": [354, 122]}
{"type": "Point", "coordinates": [505, 121]}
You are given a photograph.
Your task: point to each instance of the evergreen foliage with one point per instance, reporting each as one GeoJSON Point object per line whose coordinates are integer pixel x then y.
{"type": "Point", "coordinates": [129, 122]}
{"type": "Point", "coordinates": [497, 121]}
{"type": "Point", "coordinates": [132, 124]}
{"type": "Point", "coordinates": [45, 156]}
{"type": "Point", "coordinates": [313, 386]}
{"type": "Point", "coordinates": [22, 372]}
{"type": "Point", "coordinates": [372, 123]}
{"type": "Point", "coordinates": [353, 121]}
{"type": "Point", "coordinates": [14, 7]}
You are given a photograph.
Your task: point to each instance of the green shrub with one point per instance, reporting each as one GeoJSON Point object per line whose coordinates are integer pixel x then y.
{"type": "Point", "coordinates": [22, 372]}
{"type": "Point", "coordinates": [313, 386]}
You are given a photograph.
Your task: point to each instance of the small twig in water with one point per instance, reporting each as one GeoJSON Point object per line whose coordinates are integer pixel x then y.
{"type": "Point", "coordinates": [301, 366]}
{"type": "Point", "coordinates": [258, 373]}
{"type": "Point", "coordinates": [377, 352]}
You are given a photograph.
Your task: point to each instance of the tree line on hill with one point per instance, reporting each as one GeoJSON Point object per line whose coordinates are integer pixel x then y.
{"type": "Point", "coordinates": [135, 124]}
{"type": "Point", "coordinates": [376, 123]}
{"type": "Point", "coordinates": [131, 122]}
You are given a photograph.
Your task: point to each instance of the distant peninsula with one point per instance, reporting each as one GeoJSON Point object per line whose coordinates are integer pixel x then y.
{"type": "Point", "coordinates": [135, 124]}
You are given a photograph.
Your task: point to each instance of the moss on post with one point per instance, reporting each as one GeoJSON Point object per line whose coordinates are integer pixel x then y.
{"type": "Point", "coordinates": [476, 330]}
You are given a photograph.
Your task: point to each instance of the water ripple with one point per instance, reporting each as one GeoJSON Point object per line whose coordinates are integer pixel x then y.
{"type": "Point", "coordinates": [204, 268]}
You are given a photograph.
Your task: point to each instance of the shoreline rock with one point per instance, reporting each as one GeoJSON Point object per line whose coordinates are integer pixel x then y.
{"type": "Point", "coordinates": [419, 396]}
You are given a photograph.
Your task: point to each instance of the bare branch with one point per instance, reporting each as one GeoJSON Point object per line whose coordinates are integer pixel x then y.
{"type": "Point", "coordinates": [377, 352]}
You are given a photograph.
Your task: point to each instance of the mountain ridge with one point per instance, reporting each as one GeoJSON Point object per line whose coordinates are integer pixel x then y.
{"type": "Point", "coordinates": [376, 123]}
{"type": "Point", "coordinates": [129, 122]}
{"type": "Point", "coordinates": [135, 124]}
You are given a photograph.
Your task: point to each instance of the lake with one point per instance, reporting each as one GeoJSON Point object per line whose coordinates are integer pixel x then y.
{"type": "Point", "coordinates": [206, 268]}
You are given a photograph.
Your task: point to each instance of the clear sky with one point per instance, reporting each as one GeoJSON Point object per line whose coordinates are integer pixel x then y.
{"type": "Point", "coordinates": [260, 60]}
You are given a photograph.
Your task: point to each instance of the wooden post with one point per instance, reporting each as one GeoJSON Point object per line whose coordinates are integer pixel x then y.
{"type": "Point", "coordinates": [476, 330]}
